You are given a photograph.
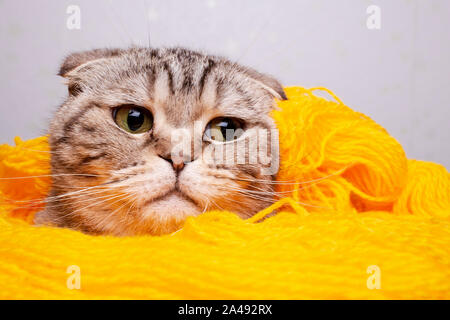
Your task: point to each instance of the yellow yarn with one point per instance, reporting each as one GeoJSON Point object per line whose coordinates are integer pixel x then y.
{"type": "Point", "coordinates": [355, 202]}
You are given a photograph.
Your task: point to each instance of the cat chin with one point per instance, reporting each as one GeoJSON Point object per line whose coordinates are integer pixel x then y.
{"type": "Point", "coordinates": [167, 214]}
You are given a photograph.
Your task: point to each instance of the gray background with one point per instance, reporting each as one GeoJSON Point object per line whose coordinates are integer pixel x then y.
{"type": "Point", "coordinates": [399, 75]}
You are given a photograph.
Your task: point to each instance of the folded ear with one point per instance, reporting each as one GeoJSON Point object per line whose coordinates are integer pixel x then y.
{"type": "Point", "coordinates": [267, 82]}
{"type": "Point", "coordinates": [78, 59]}
{"type": "Point", "coordinates": [75, 60]}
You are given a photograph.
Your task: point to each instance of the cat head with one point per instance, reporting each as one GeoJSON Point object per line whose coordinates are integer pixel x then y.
{"type": "Point", "coordinates": [149, 137]}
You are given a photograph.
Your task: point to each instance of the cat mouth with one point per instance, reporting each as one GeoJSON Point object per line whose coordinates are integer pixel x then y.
{"type": "Point", "coordinates": [175, 193]}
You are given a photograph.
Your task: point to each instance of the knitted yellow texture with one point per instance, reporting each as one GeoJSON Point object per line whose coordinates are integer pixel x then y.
{"type": "Point", "coordinates": [353, 201]}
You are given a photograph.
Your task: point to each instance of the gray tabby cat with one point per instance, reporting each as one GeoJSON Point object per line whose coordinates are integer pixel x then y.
{"type": "Point", "coordinates": [112, 161]}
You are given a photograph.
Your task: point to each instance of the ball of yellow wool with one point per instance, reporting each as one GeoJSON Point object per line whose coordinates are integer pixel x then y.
{"type": "Point", "coordinates": [24, 177]}
{"type": "Point", "coordinates": [339, 160]}
{"type": "Point", "coordinates": [427, 192]}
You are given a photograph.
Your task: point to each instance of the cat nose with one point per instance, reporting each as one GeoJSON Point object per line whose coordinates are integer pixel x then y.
{"type": "Point", "coordinates": [177, 163]}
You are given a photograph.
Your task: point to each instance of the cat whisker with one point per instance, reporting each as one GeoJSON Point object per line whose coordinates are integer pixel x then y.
{"type": "Point", "coordinates": [109, 185]}
{"type": "Point", "coordinates": [32, 150]}
{"type": "Point", "coordinates": [293, 182]}
{"type": "Point", "coordinates": [119, 21]}
{"type": "Point", "coordinates": [48, 202]}
{"type": "Point", "coordinates": [53, 175]}
{"type": "Point", "coordinates": [118, 209]}
{"type": "Point", "coordinates": [147, 11]}
{"type": "Point", "coordinates": [119, 197]}
{"type": "Point", "coordinates": [270, 199]}
{"type": "Point", "coordinates": [133, 203]}
{"type": "Point", "coordinates": [206, 207]}
{"type": "Point", "coordinates": [84, 200]}
{"type": "Point", "coordinates": [68, 194]}
{"type": "Point", "coordinates": [215, 204]}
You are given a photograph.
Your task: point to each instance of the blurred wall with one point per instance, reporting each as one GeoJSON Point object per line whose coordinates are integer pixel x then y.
{"type": "Point", "coordinates": [398, 74]}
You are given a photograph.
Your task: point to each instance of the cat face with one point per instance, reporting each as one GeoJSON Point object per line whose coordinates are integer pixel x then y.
{"type": "Point", "coordinates": [149, 137]}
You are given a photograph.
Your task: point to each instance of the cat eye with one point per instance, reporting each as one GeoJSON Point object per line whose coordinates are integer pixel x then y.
{"type": "Point", "coordinates": [224, 129]}
{"type": "Point", "coordinates": [133, 119]}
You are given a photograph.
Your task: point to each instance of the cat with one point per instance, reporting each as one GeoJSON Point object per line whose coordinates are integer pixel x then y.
{"type": "Point", "coordinates": [113, 168]}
